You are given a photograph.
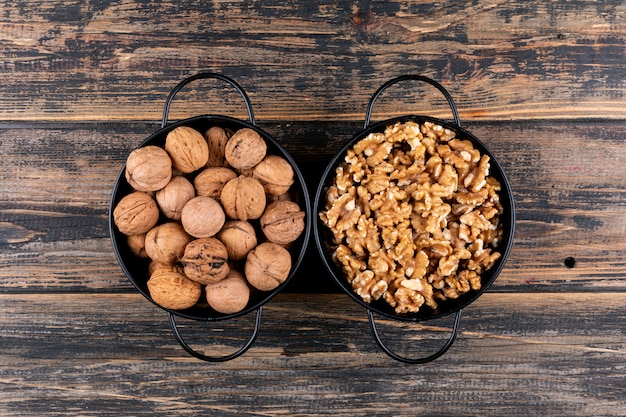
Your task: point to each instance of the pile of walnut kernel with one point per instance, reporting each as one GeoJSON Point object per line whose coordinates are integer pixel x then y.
{"type": "Point", "coordinates": [414, 216]}
{"type": "Point", "coordinates": [215, 214]}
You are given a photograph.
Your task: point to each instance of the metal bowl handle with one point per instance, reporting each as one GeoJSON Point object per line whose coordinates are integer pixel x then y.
{"type": "Point", "coordinates": [432, 82]}
{"type": "Point", "coordinates": [415, 361]}
{"type": "Point", "coordinates": [203, 75]}
{"type": "Point", "coordinates": [192, 352]}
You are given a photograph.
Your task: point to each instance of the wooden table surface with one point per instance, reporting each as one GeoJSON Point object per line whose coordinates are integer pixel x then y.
{"type": "Point", "coordinates": [543, 84]}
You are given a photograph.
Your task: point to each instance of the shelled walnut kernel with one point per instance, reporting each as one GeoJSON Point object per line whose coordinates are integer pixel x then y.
{"type": "Point", "coordinates": [414, 216]}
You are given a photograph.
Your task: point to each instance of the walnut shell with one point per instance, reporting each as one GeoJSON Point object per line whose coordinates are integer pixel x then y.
{"type": "Point", "coordinates": [148, 168]}
{"type": "Point", "coordinates": [217, 138]}
{"type": "Point", "coordinates": [173, 197]}
{"type": "Point", "coordinates": [166, 243]}
{"type": "Point", "coordinates": [267, 266]}
{"type": "Point", "coordinates": [230, 295]}
{"type": "Point", "coordinates": [137, 245]}
{"type": "Point", "coordinates": [155, 266]}
{"type": "Point", "coordinates": [173, 290]}
{"type": "Point", "coordinates": [245, 149]}
{"type": "Point", "coordinates": [210, 181]}
{"type": "Point", "coordinates": [202, 217]}
{"type": "Point", "coordinates": [243, 198]}
{"type": "Point", "coordinates": [206, 260]}
{"type": "Point", "coordinates": [282, 222]}
{"type": "Point", "coordinates": [187, 148]}
{"type": "Point", "coordinates": [275, 173]}
{"type": "Point", "coordinates": [239, 238]}
{"type": "Point", "coordinates": [136, 213]}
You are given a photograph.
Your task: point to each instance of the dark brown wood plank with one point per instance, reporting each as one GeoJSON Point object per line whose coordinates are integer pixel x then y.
{"type": "Point", "coordinates": [567, 178]}
{"type": "Point", "coordinates": [312, 60]}
{"type": "Point", "coordinates": [516, 355]}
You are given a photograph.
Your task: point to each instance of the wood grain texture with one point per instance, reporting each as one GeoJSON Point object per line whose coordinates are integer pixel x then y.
{"type": "Point", "coordinates": [568, 180]}
{"type": "Point", "coordinates": [516, 355]}
{"type": "Point", "coordinates": [542, 84]}
{"type": "Point", "coordinates": [117, 60]}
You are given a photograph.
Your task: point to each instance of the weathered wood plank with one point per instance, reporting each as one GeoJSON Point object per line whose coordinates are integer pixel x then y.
{"type": "Point", "coordinates": [516, 355]}
{"type": "Point", "coordinates": [568, 181]}
{"type": "Point", "coordinates": [311, 60]}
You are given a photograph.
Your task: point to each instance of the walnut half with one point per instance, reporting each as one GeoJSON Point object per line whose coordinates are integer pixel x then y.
{"type": "Point", "coordinates": [414, 215]}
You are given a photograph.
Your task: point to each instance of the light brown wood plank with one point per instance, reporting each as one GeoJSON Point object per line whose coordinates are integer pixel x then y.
{"type": "Point", "coordinates": [311, 61]}
{"type": "Point", "coordinates": [516, 354]}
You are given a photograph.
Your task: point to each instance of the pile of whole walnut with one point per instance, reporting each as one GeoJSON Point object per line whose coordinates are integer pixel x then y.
{"type": "Point", "coordinates": [415, 216]}
{"type": "Point", "coordinates": [214, 213]}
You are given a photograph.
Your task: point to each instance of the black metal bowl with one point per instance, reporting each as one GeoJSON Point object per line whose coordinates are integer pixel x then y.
{"type": "Point", "coordinates": [324, 239]}
{"type": "Point", "coordinates": [136, 269]}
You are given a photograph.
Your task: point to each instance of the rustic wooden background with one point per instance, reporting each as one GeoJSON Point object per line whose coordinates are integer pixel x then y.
{"type": "Point", "coordinates": [543, 84]}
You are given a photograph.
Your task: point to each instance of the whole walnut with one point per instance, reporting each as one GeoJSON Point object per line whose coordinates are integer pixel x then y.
{"type": "Point", "coordinates": [243, 198]}
{"type": "Point", "coordinates": [136, 213]}
{"type": "Point", "coordinates": [206, 260]}
{"type": "Point", "coordinates": [173, 290]}
{"type": "Point", "coordinates": [217, 138]}
{"type": "Point", "coordinates": [187, 148]}
{"type": "Point", "coordinates": [166, 243]}
{"type": "Point", "coordinates": [148, 168]}
{"type": "Point", "coordinates": [230, 295]}
{"type": "Point", "coordinates": [155, 266]}
{"type": "Point", "coordinates": [245, 149]}
{"type": "Point", "coordinates": [282, 222]}
{"type": "Point", "coordinates": [173, 197]}
{"type": "Point", "coordinates": [275, 173]}
{"type": "Point", "coordinates": [267, 266]}
{"type": "Point", "coordinates": [239, 238]}
{"type": "Point", "coordinates": [210, 181]}
{"type": "Point", "coordinates": [137, 245]}
{"type": "Point", "coordinates": [202, 217]}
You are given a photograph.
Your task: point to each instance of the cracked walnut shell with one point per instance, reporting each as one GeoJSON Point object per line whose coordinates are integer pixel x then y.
{"type": "Point", "coordinates": [187, 148]}
{"type": "Point", "coordinates": [148, 168]}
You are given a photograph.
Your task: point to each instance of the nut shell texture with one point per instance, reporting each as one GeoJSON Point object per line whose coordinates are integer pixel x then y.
{"type": "Point", "coordinates": [275, 173]}
{"type": "Point", "coordinates": [173, 290]}
{"type": "Point", "coordinates": [243, 198]}
{"type": "Point", "coordinates": [173, 197]}
{"type": "Point", "coordinates": [245, 149]}
{"type": "Point", "coordinates": [230, 295]}
{"type": "Point", "coordinates": [136, 213]}
{"type": "Point", "coordinates": [282, 222]}
{"type": "Point", "coordinates": [148, 168]}
{"type": "Point", "coordinates": [239, 238]}
{"type": "Point", "coordinates": [206, 261]}
{"type": "Point", "coordinates": [202, 217]}
{"type": "Point", "coordinates": [166, 243]}
{"type": "Point", "coordinates": [267, 266]}
{"type": "Point", "coordinates": [211, 181]}
{"type": "Point", "coordinates": [217, 138]}
{"type": "Point", "coordinates": [187, 148]}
